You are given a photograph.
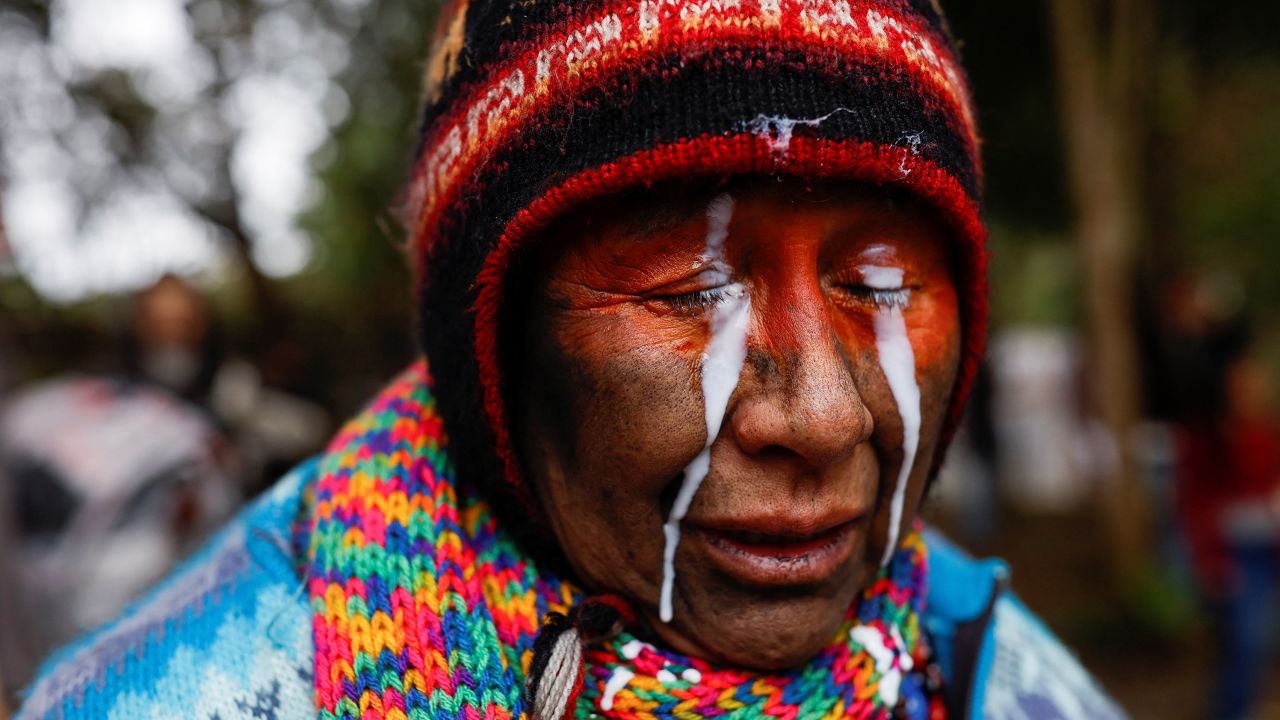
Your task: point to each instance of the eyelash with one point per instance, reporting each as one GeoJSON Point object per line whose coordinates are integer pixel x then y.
{"type": "Point", "coordinates": [695, 301]}
{"type": "Point", "coordinates": [881, 299]}
{"type": "Point", "coordinates": [888, 299]}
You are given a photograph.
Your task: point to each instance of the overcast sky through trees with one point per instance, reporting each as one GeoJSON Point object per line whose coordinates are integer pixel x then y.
{"type": "Point", "coordinates": [135, 120]}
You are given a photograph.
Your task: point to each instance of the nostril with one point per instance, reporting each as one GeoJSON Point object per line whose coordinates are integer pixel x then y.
{"type": "Point", "coordinates": [776, 450]}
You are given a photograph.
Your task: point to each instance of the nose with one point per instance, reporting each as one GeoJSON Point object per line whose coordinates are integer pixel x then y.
{"type": "Point", "coordinates": [801, 400]}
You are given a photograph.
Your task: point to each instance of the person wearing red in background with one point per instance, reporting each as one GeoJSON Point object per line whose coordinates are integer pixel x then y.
{"type": "Point", "coordinates": [1229, 503]}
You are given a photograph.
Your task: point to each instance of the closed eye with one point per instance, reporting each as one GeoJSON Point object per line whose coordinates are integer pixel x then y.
{"type": "Point", "coordinates": [693, 302]}
{"type": "Point", "coordinates": [702, 292]}
{"type": "Point", "coordinates": [882, 298]}
{"type": "Point", "coordinates": [882, 287]}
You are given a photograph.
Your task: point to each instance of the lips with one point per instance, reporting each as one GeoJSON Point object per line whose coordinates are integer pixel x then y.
{"type": "Point", "coordinates": [777, 551]}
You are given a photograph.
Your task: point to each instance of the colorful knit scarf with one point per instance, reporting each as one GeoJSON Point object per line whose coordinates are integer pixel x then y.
{"type": "Point", "coordinates": [425, 608]}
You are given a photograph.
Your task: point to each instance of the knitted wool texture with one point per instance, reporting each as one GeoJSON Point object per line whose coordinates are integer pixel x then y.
{"type": "Point", "coordinates": [535, 106]}
{"type": "Point", "coordinates": [425, 608]}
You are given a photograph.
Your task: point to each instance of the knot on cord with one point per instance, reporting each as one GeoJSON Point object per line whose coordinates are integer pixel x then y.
{"type": "Point", "coordinates": [558, 668]}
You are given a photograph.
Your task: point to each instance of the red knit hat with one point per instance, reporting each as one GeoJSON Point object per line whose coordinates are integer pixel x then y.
{"type": "Point", "coordinates": [535, 106]}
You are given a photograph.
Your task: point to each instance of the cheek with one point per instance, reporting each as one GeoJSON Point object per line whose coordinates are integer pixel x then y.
{"type": "Point", "coordinates": [617, 416]}
{"type": "Point", "coordinates": [933, 325]}
{"type": "Point", "coordinates": [935, 337]}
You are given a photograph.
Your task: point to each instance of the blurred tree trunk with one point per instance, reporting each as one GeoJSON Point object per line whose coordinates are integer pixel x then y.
{"type": "Point", "coordinates": [1103, 63]}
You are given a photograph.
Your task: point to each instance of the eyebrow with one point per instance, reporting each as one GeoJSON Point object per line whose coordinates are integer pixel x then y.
{"type": "Point", "coordinates": [663, 218]}
{"type": "Point", "coordinates": [663, 215]}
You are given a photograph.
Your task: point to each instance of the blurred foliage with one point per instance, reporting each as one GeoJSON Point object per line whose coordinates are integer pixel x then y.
{"type": "Point", "coordinates": [1037, 275]}
{"type": "Point", "coordinates": [1006, 48]}
{"type": "Point", "coordinates": [1213, 157]}
{"type": "Point", "coordinates": [1228, 193]}
{"type": "Point", "coordinates": [360, 274]}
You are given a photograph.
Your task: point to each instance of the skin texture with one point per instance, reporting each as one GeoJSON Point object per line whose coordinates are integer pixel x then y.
{"type": "Point", "coordinates": [608, 406]}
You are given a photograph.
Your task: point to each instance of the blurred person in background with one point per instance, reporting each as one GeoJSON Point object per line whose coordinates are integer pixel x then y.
{"type": "Point", "coordinates": [1221, 402]}
{"type": "Point", "coordinates": [1229, 497]}
{"type": "Point", "coordinates": [104, 486]}
{"type": "Point", "coordinates": [110, 481]}
{"type": "Point", "coordinates": [702, 289]}
{"type": "Point", "coordinates": [174, 342]}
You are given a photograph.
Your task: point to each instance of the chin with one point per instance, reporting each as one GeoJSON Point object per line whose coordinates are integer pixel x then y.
{"type": "Point", "coordinates": [737, 604]}
{"type": "Point", "coordinates": [790, 647]}
{"type": "Point", "coordinates": [765, 629]}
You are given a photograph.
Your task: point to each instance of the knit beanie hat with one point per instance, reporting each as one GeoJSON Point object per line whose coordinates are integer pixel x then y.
{"type": "Point", "coordinates": [535, 106]}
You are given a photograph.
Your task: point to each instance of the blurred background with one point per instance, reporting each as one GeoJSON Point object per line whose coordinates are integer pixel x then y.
{"type": "Point", "coordinates": [200, 276]}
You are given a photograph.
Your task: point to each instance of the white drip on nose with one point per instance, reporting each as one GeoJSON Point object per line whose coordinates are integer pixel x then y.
{"type": "Point", "coordinates": [721, 365]}
{"type": "Point", "coordinates": [898, 362]}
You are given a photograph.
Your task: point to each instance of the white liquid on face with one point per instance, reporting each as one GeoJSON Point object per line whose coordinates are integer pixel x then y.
{"type": "Point", "coordinates": [898, 361]}
{"type": "Point", "coordinates": [618, 680]}
{"type": "Point", "coordinates": [721, 365]}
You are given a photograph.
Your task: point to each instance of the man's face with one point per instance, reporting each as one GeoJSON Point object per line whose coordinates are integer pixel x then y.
{"type": "Point", "coordinates": [794, 514]}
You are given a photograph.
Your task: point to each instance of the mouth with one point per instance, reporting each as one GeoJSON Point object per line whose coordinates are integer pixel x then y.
{"type": "Point", "coordinates": [779, 552]}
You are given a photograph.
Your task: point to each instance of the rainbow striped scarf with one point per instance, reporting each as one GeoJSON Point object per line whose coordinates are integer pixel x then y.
{"type": "Point", "coordinates": [425, 608]}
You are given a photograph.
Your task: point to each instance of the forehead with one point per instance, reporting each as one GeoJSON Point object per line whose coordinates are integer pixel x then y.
{"type": "Point", "coordinates": [648, 212]}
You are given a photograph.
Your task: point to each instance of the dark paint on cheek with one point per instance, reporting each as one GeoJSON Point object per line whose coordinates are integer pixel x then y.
{"type": "Point", "coordinates": [628, 418]}
{"type": "Point", "coordinates": [551, 399]}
